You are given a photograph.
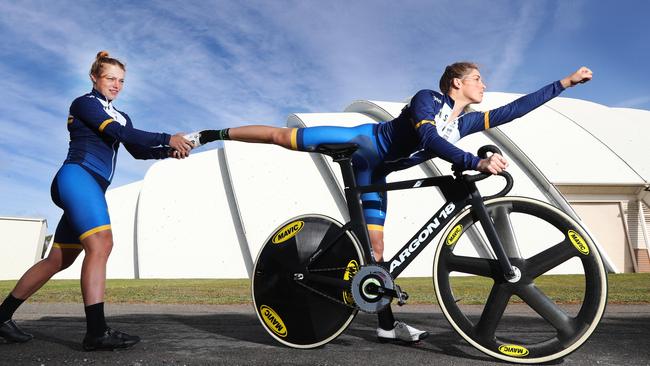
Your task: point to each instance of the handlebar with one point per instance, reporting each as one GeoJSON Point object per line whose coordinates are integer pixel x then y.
{"type": "Point", "coordinates": [484, 150]}
{"type": "Point", "coordinates": [473, 178]}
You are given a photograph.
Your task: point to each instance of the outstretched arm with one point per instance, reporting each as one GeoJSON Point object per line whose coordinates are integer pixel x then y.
{"type": "Point", "coordinates": [90, 112]}
{"type": "Point", "coordinates": [479, 121]}
{"type": "Point", "coordinates": [496, 163]}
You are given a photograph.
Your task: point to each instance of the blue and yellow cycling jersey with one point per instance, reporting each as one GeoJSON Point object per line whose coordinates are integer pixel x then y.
{"type": "Point", "coordinates": [424, 130]}
{"type": "Point", "coordinates": [96, 131]}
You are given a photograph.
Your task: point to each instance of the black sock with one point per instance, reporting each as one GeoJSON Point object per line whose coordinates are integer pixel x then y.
{"type": "Point", "coordinates": [214, 135]}
{"type": "Point", "coordinates": [386, 319]}
{"type": "Point", "coordinates": [95, 321]}
{"type": "Point", "coordinates": [8, 307]}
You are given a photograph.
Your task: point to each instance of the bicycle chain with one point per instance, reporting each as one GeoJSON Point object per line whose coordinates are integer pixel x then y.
{"type": "Point", "coordinates": [327, 269]}
{"type": "Point", "coordinates": [355, 307]}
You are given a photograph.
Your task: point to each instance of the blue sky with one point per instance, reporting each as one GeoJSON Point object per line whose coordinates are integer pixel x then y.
{"type": "Point", "coordinates": [214, 64]}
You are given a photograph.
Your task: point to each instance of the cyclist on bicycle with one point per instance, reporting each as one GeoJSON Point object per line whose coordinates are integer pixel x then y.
{"type": "Point", "coordinates": [426, 128]}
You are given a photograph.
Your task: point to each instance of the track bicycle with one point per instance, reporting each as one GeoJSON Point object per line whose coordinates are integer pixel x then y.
{"type": "Point", "coordinates": [314, 274]}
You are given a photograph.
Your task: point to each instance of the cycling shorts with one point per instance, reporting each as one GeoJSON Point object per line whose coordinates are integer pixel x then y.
{"type": "Point", "coordinates": [80, 193]}
{"type": "Point", "coordinates": [365, 161]}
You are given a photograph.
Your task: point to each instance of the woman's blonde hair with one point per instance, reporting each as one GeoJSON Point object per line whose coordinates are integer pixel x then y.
{"type": "Point", "coordinates": [102, 59]}
{"type": "Point", "coordinates": [453, 71]}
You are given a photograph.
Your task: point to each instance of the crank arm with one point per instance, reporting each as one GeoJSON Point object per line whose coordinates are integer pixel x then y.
{"type": "Point", "coordinates": [395, 293]}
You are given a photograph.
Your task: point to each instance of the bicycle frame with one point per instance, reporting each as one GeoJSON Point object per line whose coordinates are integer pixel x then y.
{"type": "Point", "coordinates": [459, 193]}
{"type": "Point", "coordinates": [456, 196]}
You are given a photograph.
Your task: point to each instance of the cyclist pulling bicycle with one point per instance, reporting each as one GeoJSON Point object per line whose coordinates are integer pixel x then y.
{"type": "Point", "coordinates": [426, 128]}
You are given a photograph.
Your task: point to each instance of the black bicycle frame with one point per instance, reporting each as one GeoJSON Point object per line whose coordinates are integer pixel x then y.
{"type": "Point", "coordinates": [457, 199]}
{"type": "Point", "coordinates": [456, 194]}
{"type": "Point", "coordinates": [459, 193]}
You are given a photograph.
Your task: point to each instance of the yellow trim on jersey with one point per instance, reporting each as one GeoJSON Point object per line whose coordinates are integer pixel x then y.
{"type": "Point", "coordinates": [486, 118]}
{"type": "Point", "coordinates": [67, 246]}
{"type": "Point", "coordinates": [294, 139]}
{"type": "Point", "coordinates": [375, 227]}
{"type": "Point", "coordinates": [93, 231]}
{"type": "Point", "coordinates": [104, 124]}
{"type": "Point", "coordinates": [417, 125]}
{"type": "Point", "coordinates": [70, 119]}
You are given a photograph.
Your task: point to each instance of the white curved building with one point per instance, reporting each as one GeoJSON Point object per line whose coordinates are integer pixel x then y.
{"type": "Point", "coordinates": [588, 159]}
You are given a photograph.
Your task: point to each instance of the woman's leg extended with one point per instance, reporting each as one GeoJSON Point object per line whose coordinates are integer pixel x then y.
{"type": "Point", "coordinates": [61, 257]}
{"type": "Point", "coordinates": [35, 277]}
{"type": "Point", "coordinates": [29, 283]}
{"type": "Point", "coordinates": [263, 134]}
{"type": "Point", "coordinates": [306, 139]}
{"type": "Point", "coordinates": [302, 139]}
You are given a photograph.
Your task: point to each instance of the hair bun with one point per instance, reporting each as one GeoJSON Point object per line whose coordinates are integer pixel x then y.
{"type": "Point", "coordinates": [102, 54]}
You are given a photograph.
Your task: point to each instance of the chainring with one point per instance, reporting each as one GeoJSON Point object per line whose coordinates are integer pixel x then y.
{"type": "Point", "coordinates": [371, 275]}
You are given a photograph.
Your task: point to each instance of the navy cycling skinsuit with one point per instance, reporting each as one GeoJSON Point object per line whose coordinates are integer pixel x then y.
{"type": "Point", "coordinates": [96, 131]}
{"type": "Point", "coordinates": [422, 131]}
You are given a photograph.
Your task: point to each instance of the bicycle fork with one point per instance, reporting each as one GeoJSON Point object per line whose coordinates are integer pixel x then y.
{"type": "Point", "coordinates": [509, 272]}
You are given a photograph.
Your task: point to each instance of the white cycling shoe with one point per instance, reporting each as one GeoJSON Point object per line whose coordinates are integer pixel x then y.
{"type": "Point", "coordinates": [401, 333]}
{"type": "Point", "coordinates": [195, 139]}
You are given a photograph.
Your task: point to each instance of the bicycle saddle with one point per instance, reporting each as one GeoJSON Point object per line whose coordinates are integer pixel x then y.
{"type": "Point", "coordinates": [337, 151]}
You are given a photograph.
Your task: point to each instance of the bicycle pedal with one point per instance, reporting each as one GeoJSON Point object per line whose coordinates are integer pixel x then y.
{"type": "Point", "coordinates": [402, 296]}
{"type": "Point", "coordinates": [402, 300]}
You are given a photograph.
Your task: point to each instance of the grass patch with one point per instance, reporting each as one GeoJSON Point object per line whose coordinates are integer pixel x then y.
{"type": "Point", "coordinates": [629, 288]}
{"type": "Point", "coordinates": [208, 291]}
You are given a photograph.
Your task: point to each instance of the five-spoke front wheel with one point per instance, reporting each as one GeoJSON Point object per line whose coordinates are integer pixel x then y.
{"type": "Point", "coordinates": [542, 314]}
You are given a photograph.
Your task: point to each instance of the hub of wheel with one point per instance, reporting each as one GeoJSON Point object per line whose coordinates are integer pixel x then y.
{"type": "Point", "coordinates": [517, 275]}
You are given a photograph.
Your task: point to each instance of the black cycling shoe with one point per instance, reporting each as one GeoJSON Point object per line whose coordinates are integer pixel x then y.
{"type": "Point", "coordinates": [110, 340]}
{"type": "Point", "coordinates": [11, 333]}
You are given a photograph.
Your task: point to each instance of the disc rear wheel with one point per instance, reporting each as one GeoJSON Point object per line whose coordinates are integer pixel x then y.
{"type": "Point", "coordinates": [295, 310]}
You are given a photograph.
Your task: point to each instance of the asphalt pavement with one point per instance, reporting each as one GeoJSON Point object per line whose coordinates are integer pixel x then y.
{"type": "Point", "coordinates": [232, 335]}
